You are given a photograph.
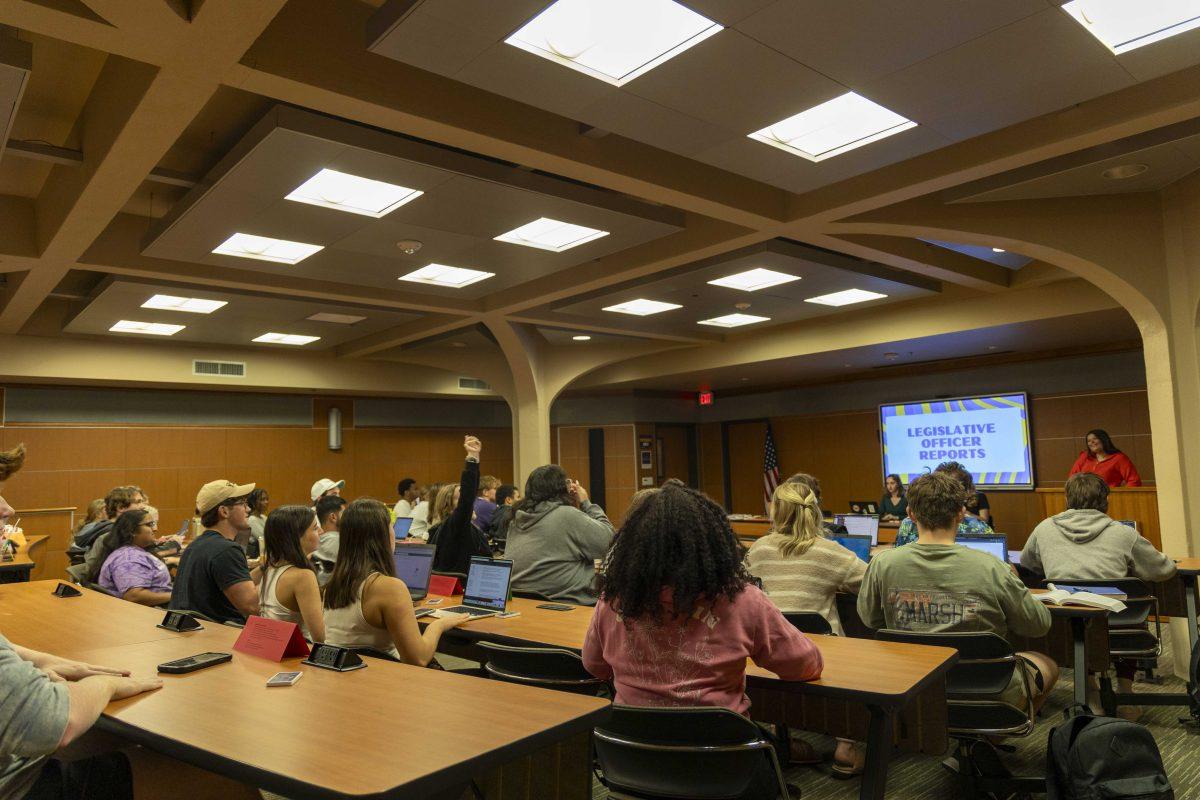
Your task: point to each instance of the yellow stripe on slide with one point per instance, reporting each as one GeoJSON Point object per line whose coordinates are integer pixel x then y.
{"type": "Point", "coordinates": [925, 407]}
{"type": "Point", "coordinates": [1008, 402]}
{"type": "Point", "coordinates": [984, 403]}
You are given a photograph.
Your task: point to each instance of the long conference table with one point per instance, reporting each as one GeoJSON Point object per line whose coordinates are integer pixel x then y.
{"type": "Point", "coordinates": [387, 731]}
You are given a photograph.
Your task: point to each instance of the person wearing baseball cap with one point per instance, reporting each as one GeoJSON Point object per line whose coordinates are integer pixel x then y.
{"type": "Point", "coordinates": [213, 577]}
{"type": "Point", "coordinates": [324, 487]}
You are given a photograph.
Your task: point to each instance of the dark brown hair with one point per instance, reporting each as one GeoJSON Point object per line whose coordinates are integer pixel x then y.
{"type": "Point", "coordinates": [1087, 490]}
{"type": "Point", "coordinates": [11, 462]}
{"type": "Point", "coordinates": [959, 473]}
{"type": "Point", "coordinates": [365, 546]}
{"type": "Point", "coordinates": [118, 497]}
{"type": "Point", "coordinates": [935, 500]}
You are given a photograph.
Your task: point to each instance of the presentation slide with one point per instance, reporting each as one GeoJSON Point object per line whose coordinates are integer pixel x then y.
{"type": "Point", "coordinates": [989, 435]}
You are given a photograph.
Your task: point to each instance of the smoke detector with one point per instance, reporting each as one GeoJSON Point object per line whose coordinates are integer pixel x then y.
{"type": "Point", "coordinates": [741, 306]}
{"type": "Point", "coordinates": [409, 246]}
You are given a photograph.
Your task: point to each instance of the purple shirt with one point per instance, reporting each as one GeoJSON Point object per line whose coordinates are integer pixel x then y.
{"type": "Point", "coordinates": [131, 567]}
{"type": "Point", "coordinates": [484, 509]}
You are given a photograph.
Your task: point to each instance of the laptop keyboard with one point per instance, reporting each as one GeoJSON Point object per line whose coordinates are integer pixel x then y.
{"type": "Point", "coordinates": [474, 612]}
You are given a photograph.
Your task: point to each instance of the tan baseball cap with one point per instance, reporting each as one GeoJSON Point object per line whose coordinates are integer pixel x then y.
{"type": "Point", "coordinates": [324, 485]}
{"type": "Point", "coordinates": [213, 493]}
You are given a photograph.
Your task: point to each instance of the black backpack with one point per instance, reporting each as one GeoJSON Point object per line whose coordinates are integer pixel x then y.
{"type": "Point", "coordinates": [1103, 758]}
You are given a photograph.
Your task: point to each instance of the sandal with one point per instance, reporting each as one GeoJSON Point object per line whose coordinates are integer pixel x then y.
{"type": "Point", "coordinates": [855, 766]}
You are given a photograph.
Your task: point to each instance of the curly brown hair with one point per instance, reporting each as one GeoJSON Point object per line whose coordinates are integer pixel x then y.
{"type": "Point", "coordinates": [11, 462]}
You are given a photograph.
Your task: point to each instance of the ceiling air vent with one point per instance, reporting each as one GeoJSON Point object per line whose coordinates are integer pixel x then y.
{"type": "Point", "coordinates": [220, 369]}
{"type": "Point", "coordinates": [472, 383]}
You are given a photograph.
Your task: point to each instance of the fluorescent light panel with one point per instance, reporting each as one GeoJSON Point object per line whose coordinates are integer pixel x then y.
{"type": "Point", "coordinates": [581, 338]}
{"type": "Point", "coordinates": [285, 338]}
{"type": "Point", "coordinates": [336, 319]}
{"type": "Point", "coordinates": [613, 40]}
{"type": "Point", "coordinates": [754, 279]}
{"type": "Point", "coordinates": [344, 192]}
{"type": "Point", "coordinates": [264, 248]}
{"type": "Point", "coordinates": [443, 275]}
{"type": "Point", "coordinates": [642, 307]}
{"type": "Point", "coordinates": [733, 320]}
{"type": "Point", "coordinates": [845, 298]}
{"type": "Point", "coordinates": [833, 128]}
{"type": "Point", "coordinates": [1124, 25]}
{"type": "Point", "coordinates": [550, 234]}
{"type": "Point", "coordinates": [149, 328]}
{"type": "Point", "coordinates": [192, 305]}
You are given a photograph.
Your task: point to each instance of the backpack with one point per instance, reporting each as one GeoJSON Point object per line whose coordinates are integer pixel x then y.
{"type": "Point", "coordinates": [1103, 758]}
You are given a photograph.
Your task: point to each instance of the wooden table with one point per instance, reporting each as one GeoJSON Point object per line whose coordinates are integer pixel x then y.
{"type": "Point", "coordinates": [17, 570]}
{"type": "Point", "coordinates": [881, 678]}
{"type": "Point", "coordinates": [1089, 634]}
{"type": "Point", "coordinates": [362, 734]}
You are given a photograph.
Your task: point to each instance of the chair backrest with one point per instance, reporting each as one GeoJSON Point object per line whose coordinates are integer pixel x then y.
{"type": "Point", "coordinates": [547, 667]}
{"type": "Point", "coordinates": [809, 622]}
{"type": "Point", "coordinates": [373, 653]}
{"type": "Point", "coordinates": [682, 752]}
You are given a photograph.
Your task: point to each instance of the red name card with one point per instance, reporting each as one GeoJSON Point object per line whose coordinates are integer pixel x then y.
{"type": "Point", "coordinates": [444, 585]}
{"type": "Point", "coordinates": [270, 638]}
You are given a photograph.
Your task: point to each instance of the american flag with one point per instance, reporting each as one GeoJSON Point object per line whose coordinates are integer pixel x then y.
{"type": "Point", "coordinates": [770, 468]}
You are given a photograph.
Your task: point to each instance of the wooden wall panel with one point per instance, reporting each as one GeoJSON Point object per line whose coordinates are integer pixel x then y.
{"type": "Point", "coordinates": [620, 469]}
{"type": "Point", "coordinates": [712, 461]}
{"type": "Point", "coordinates": [1060, 422]}
{"type": "Point", "coordinates": [746, 466]}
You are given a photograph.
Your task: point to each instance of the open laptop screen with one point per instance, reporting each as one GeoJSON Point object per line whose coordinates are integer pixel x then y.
{"type": "Point", "coordinates": [860, 525]}
{"type": "Point", "coordinates": [859, 545]}
{"type": "Point", "coordinates": [996, 545]}
{"type": "Point", "coordinates": [400, 527]}
{"type": "Point", "coordinates": [414, 565]}
{"type": "Point", "coordinates": [487, 583]}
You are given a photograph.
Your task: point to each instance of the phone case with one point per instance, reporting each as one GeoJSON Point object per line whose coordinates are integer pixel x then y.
{"type": "Point", "coordinates": [182, 666]}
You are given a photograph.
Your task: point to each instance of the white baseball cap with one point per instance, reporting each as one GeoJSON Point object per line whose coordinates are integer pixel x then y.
{"type": "Point", "coordinates": [324, 485]}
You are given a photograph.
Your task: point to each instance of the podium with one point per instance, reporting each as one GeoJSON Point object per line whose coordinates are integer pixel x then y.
{"type": "Point", "coordinates": [1139, 503]}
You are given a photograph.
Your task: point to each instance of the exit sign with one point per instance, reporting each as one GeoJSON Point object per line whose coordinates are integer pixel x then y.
{"type": "Point", "coordinates": [705, 398]}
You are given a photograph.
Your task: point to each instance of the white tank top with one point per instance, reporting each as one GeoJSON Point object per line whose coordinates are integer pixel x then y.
{"type": "Point", "coordinates": [271, 608]}
{"type": "Point", "coordinates": [347, 627]}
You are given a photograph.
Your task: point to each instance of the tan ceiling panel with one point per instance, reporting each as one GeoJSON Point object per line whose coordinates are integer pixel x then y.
{"type": "Point", "coordinates": [1169, 55]}
{"type": "Point", "coordinates": [514, 73]}
{"type": "Point", "coordinates": [644, 121]}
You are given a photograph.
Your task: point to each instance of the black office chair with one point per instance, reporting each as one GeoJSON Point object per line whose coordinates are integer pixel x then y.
{"type": "Point", "coordinates": [809, 622]}
{"type": "Point", "coordinates": [974, 711]}
{"type": "Point", "coordinates": [529, 594]}
{"type": "Point", "coordinates": [547, 667]}
{"type": "Point", "coordinates": [701, 753]}
{"type": "Point", "coordinates": [371, 652]}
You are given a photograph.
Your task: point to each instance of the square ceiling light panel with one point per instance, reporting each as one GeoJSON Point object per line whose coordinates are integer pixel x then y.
{"type": "Point", "coordinates": [192, 305]}
{"type": "Point", "coordinates": [338, 190]}
{"type": "Point", "coordinates": [336, 319]}
{"type": "Point", "coordinates": [442, 275]}
{"type": "Point", "coordinates": [845, 298]}
{"type": "Point", "coordinates": [733, 320]}
{"type": "Point", "coordinates": [285, 338]}
{"type": "Point", "coordinates": [613, 40]}
{"type": "Point", "coordinates": [754, 279]}
{"type": "Point", "coordinates": [834, 127]}
{"type": "Point", "coordinates": [550, 234]}
{"type": "Point", "coordinates": [264, 248]}
{"type": "Point", "coordinates": [150, 328]}
{"type": "Point", "coordinates": [642, 307]}
{"type": "Point", "coordinates": [1124, 25]}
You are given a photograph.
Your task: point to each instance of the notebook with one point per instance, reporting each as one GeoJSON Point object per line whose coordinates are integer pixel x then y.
{"type": "Point", "coordinates": [859, 545]}
{"type": "Point", "coordinates": [860, 525]}
{"type": "Point", "coordinates": [487, 588]}
{"type": "Point", "coordinates": [995, 544]}
{"type": "Point", "coordinates": [414, 565]}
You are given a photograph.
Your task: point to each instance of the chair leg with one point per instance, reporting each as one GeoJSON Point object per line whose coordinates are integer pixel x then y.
{"type": "Point", "coordinates": [1108, 698]}
{"type": "Point", "coordinates": [966, 772]}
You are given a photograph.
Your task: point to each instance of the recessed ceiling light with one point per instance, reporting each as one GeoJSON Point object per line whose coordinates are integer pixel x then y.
{"type": "Point", "coordinates": [754, 279]}
{"type": "Point", "coordinates": [264, 248]}
{"type": "Point", "coordinates": [193, 305]}
{"type": "Point", "coordinates": [151, 328]}
{"type": "Point", "coordinates": [613, 40]}
{"type": "Point", "coordinates": [733, 320]}
{"type": "Point", "coordinates": [1123, 171]}
{"type": "Point", "coordinates": [442, 275]}
{"type": "Point", "coordinates": [371, 198]}
{"type": "Point", "coordinates": [1124, 25]}
{"type": "Point", "coordinates": [336, 319]}
{"type": "Point", "coordinates": [550, 234]}
{"type": "Point", "coordinates": [998, 250]}
{"type": "Point", "coordinates": [833, 128]}
{"type": "Point", "coordinates": [642, 308]}
{"type": "Point", "coordinates": [285, 338]}
{"type": "Point", "coordinates": [845, 298]}
{"type": "Point", "coordinates": [581, 338]}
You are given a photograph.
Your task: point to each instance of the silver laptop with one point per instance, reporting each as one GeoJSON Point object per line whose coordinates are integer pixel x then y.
{"type": "Point", "coordinates": [487, 588]}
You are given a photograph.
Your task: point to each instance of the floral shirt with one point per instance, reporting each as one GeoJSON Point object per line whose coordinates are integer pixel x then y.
{"type": "Point", "coordinates": [970, 526]}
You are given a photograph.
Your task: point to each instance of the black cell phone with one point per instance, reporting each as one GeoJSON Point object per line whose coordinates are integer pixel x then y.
{"type": "Point", "coordinates": [556, 607]}
{"type": "Point", "coordinates": [193, 663]}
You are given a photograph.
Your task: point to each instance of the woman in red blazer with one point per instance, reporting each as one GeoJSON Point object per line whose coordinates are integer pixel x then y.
{"type": "Point", "coordinates": [1103, 458]}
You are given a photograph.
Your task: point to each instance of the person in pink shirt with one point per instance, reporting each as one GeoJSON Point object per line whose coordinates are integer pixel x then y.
{"type": "Point", "coordinates": [678, 615]}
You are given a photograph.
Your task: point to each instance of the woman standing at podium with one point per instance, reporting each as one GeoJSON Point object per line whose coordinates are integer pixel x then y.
{"type": "Point", "coordinates": [1102, 457]}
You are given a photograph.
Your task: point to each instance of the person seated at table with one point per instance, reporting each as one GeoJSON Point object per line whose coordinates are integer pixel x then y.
{"type": "Point", "coordinates": [213, 577]}
{"type": "Point", "coordinates": [260, 502]}
{"type": "Point", "coordinates": [420, 512]}
{"type": "Point", "coordinates": [892, 506]}
{"type": "Point", "coordinates": [936, 586]}
{"type": "Point", "coordinates": [456, 538]}
{"type": "Point", "coordinates": [366, 605]}
{"type": "Point", "coordinates": [485, 503]}
{"type": "Point", "coordinates": [288, 590]}
{"type": "Point", "coordinates": [969, 525]}
{"type": "Point", "coordinates": [131, 571]}
{"type": "Point", "coordinates": [506, 497]}
{"type": "Point", "coordinates": [326, 487]}
{"type": "Point", "coordinates": [678, 614]}
{"type": "Point", "coordinates": [555, 538]}
{"type": "Point", "coordinates": [1103, 458]}
{"type": "Point", "coordinates": [329, 517]}
{"type": "Point", "coordinates": [814, 486]}
{"type": "Point", "coordinates": [94, 513]}
{"type": "Point", "coordinates": [409, 491]}
{"type": "Point", "coordinates": [118, 500]}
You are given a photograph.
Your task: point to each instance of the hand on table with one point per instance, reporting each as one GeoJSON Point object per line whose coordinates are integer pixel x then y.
{"type": "Point", "coordinates": [451, 619]}
{"type": "Point", "coordinates": [129, 687]}
{"type": "Point", "coordinates": [77, 670]}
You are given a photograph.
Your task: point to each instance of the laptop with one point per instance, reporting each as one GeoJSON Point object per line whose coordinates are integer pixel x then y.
{"type": "Point", "coordinates": [859, 545]}
{"type": "Point", "coordinates": [400, 527]}
{"type": "Point", "coordinates": [487, 588]}
{"type": "Point", "coordinates": [860, 525]}
{"type": "Point", "coordinates": [863, 507]}
{"type": "Point", "coordinates": [414, 565]}
{"type": "Point", "coordinates": [995, 544]}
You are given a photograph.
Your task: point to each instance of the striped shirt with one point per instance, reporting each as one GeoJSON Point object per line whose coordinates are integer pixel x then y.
{"type": "Point", "coordinates": [806, 581]}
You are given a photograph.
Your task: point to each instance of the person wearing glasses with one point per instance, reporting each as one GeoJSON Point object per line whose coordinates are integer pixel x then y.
{"type": "Point", "coordinates": [131, 571]}
{"type": "Point", "coordinates": [213, 577]}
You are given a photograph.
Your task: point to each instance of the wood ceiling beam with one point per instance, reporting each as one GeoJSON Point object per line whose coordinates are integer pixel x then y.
{"type": "Point", "coordinates": [915, 256]}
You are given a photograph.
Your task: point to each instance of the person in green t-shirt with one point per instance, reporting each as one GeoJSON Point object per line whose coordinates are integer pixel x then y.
{"type": "Point", "coordinates": [935, 586]}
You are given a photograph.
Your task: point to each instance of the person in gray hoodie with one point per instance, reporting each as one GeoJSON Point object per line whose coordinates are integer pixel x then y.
{"type": "Point", "coordinates": [555, 537]}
